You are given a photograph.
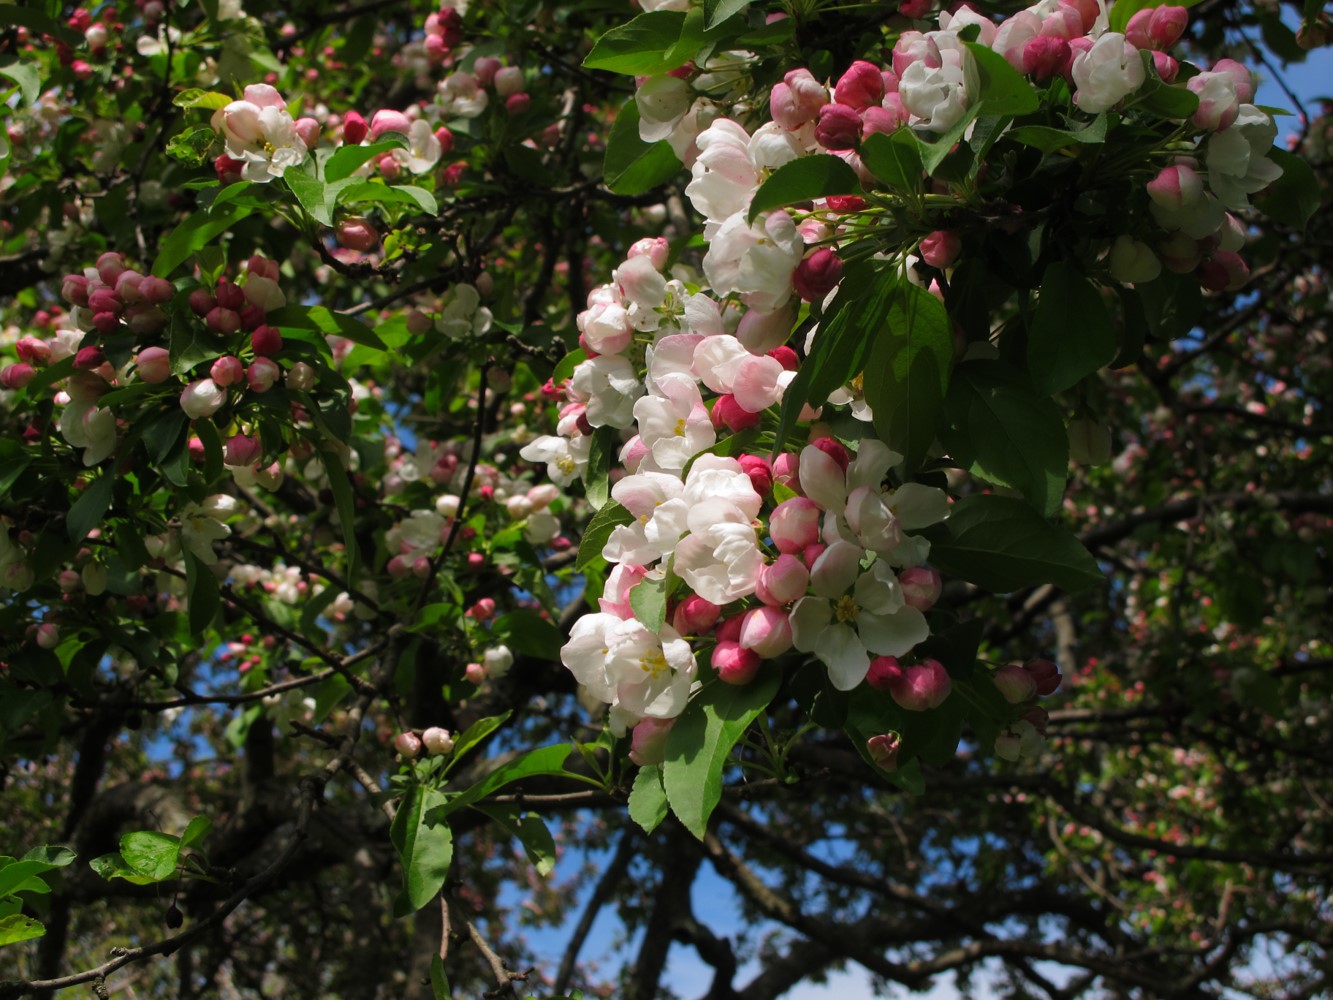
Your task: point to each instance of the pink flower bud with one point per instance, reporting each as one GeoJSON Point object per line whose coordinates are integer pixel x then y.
{"type": "Point", "coordinates": [202, 398]}
{"type": "Point", "coordinates": [817, 275]}
{"type": "Point", "coordinates": [18, 375]}
{"type": "Point", "coordinates": [354, 128]}
{"type": "Point", "coordinates": [767, 631]}
{"type": "Point", "coordinates": [407, 744]}
{"type": "Point", "coordinates": [242, 450]}
{"type": "Point", "coordinates": [921, 587]}
{"type": "Point", "coordinates": [734, 663]}
{"type": "Point", "coordinates": [1219, 101]}
{"type": "Point", "coordinates": [517, 104]}
{"type": "Point", "coordinates": [759, 471]}
{"type": "Point", "coordinates": [941, 248]}
{"type": "Point", "coordinates": [301, 377]}
{"type": "Point", "coordinates": [1166, 67]}
{"type": "Point", "coordinates": [1166, 27]}
{"type": "Point", "coordinates": [655, 248]}
{"type": "Point", "coordinates": [386, 120]}
{"type": "Point", "coordinates": [783, 581]}
{"type": "Point", "coordinates": [308, 129]}
{"type": "Point", "coordinates": [838, 128]}
{"type": "Point", "coordinates": [1224, 271]}
{"type": "Point", "coordinates": [1046, 56]}
{"type": "Point", "coordinates": [834, 450]}
{"type": "Point", "coordinates": [860, 87]}
{"type": "Point", "coordinates": [201, 302]}
{"type": "Point", "coordinates": [89, 358]}
{"type": "Point", "coordinates": [811, 553]}
{"type": "Point", "coordinates": [227, 370]}
{"type": "Point", "coordinates": [915, 689]}
{"type": "Point", "coordinates": [230, 295]}
{"type": "Point", "coordinates": [1176, 187]}
{"type": "Point", "coordinates": [105, 300]}
{"type": "Point", "coordinates": [730, 414]}
{"type": "Point", "coordinates": [446, 140]}
{"type": "Point", "coordinates": [729, 630]}
{"type": "Point", "coordinates": [763, 331]}
{"type": "Point", "coordinates": [389, 168]}
{"type": "Point", "coordinates": [509, 80]}
{"type": "Point", "coordinates": [223, 321]}
{"type": "Point", "coordinates": [648, 741]}
{"type": "Point", "coordinates": [156, 290]}
{"type": "Point", "coordinates": [154, 364]}
{"type": "Point", "coordinates": [485, 68]}
{"type": "Point", "coordinates": [266, 341]}
{"type": "Point", "coordinates": [228, 169]}
{"type": "Point", "coordinates": [1015, 683]}
{"type": "Point", "coordinates": [884, 120]}
{"type": "Point", "coordinates": [261, 374]}
{"type": "Point", "coordinates": [1046, 674]}
{"type": "Point", "coordinates": [357, 234]}
{"type": "Point", "coordinates": [794, 524]}
{"type": "Point", "coordinates": [74, 289]}
{"type": "Point", "coordinates": [482, 610]}
{"type": "Point", "coordinates": [437, 741]}
{"type": "Point", "coordinates": [33, 350]}
{"type": "Point", "coordinates": [106, 322]}
{"type": "Point", "coordinates": [48, 635]}
{"type": "Point", "coordinates": [797, 99]}
{"type": "Point", "coordinates": [1240, 75]}
{"type": "Point", "coordinates": [883, 750]}
{"type": "Point", "coordinates": [475, 673]}
{"type": "Point", "coordinates": [695, 616]}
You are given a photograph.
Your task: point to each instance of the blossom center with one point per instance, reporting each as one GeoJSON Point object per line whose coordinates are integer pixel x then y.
{"type": "Point", "coordinates": [566, 465]}
{"type": "Point", "coordinates": [680, 427]}
{"type": "Point", "coordinates": [846, 609]}
{"type": "Point", "coordinates": [654, 664]}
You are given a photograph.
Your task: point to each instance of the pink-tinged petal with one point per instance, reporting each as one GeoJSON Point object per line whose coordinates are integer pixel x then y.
{"type": "Point", "coordinates": [759, 383]}
{"type": "Point", "coordinates": [892, 635]}
{"type": "Point", "coordinates": [843, 653]}
{"type": "Point", "coordinates": [809, 618]}
{"type": "Point", "coordinates": [822, 479]}
{"type": "Point", "coordinates": [836, 570]}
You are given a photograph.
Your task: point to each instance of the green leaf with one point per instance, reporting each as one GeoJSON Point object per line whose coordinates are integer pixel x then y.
{"type": "Point", "coordinates": [192, 145]}
{"type": "Point", "coordinates": [804, 179]}
{"type": "Point", "coordinates": [894, 159]}
{"type": "Point", "coordinates": [1293, 198]}
{"type": "Point", "coordinates": [197, 98]}
{"type": "Point", "coordinates": [529, 633]}
{"type": "Point", "coordinates": [151, 854]}
{"type": "Point", "coordinates": [315, 195]}
{"type": "Point", "coordinates": [36, 862]}
{"type": "Point", "coordinates": [542, 761]}
{"type": "Point", "coordinates": [1002, 545]}
{"type": "Point", "coordinates": [648, 599]}
{"type": "Point", "coordinates": [907, 373]}
{"type": "Point", "coordinates": [360, 192]}
{"type": "Point", "coordinates": [565, 368]}
{"type": "Point", "coordinates": [599, 529]}
{"type": "Point", "coordinates": [1071, 333]}
{"type": "Point", "coordinates": [197, 231]}
{"type": "Point", "coordinates": [341, 487]}
{"type": "Point", "coordinates": [348, 160]}
{"type": "Point", "coordinates": [717, 11]}
{"type": "Point", "coordinates": [111, 866]}
{"type": "Point", "coordinates": [1002, 431]}
{"type": "Point", "coordinates": [475, 733]}
{"type": "Point", "coordinates": [848, 327]}
{"type": "Point", "coordinates": [632, 166]}
{"type": "Point", "coordinates": [322, 319]}
{"type": "Point", "coordinates": [425, 846]}
{"type": "Point", "coordinates": [934, 153]}
{"type": "Point", "coordinates": [1049, 139]}
{"type": "Point", "coordinates": [529, 830]}
{"type": "Point", "coordinates": [23, 74]}
{"type": "Point", "coordinates": [16, 927]}
{"type": "Point", "coordinates": [88, 511]}
{"type": "Point", "coordinates": [196, 830]}
{"type": "Point", "coordinates": [701, 741]}
{"type": "Point", "coordinates": [439, 982]}
{"type": "Point", "coordinates": [647, 799]}
{"type": "Point", "coordinates": [597, 481]}
{"type": "Point", "coordinates": [640, 47]}
{"type": "Point", "coordinates": [204, 598]}
{"type": "Point", "coordinates": [1004, 90]}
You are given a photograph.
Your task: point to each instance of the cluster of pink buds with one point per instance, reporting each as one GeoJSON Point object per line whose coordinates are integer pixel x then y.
{"type": "Point", "coordinates": [436, 742]}
{"type": "Point", "coordinates": [444, 30]}
{"type": "Point", "coordinates": [507, 81]}
{"type": "Point", "coordinates": [1020, 684]}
